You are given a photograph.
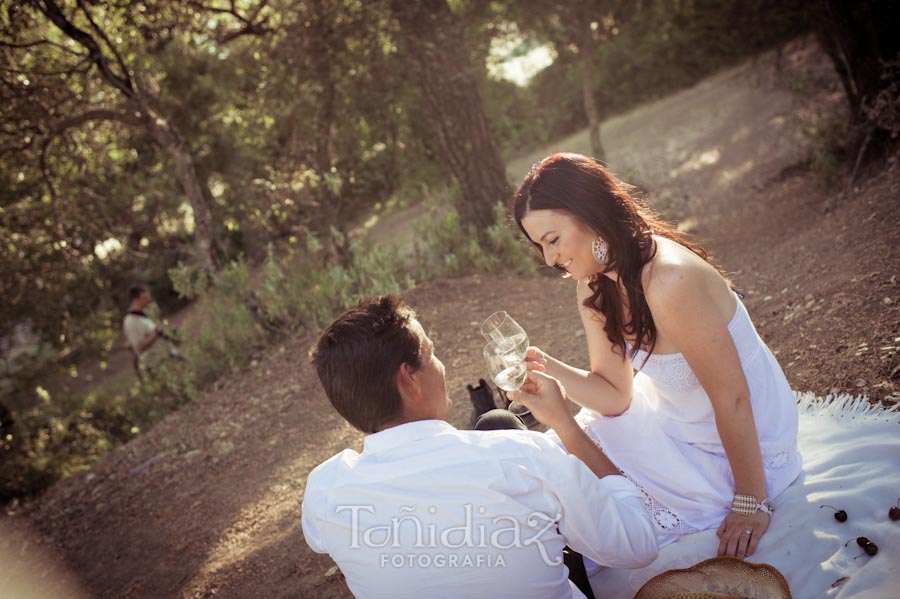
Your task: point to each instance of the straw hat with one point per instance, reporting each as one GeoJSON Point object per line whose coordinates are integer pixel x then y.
{"type": "Point", "coordinates": [718, 578]}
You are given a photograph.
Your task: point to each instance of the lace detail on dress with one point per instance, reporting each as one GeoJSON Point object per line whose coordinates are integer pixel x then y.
{"type": "Point", "coordinates": [665, 521]}
{"type": "Point", "coordinates": [669, 371]}
{"type": "Point", "coordinates": [780, 459]}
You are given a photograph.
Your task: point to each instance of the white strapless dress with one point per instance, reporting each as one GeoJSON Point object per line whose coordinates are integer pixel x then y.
{"type": "Point", "coordinates": [667, 442]}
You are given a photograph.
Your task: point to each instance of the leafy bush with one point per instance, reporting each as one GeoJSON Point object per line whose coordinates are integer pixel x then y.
{"type": "Point", "coordinates": [448, 249]}
{"type": "Point", "coordinates": [827, 134]}
{"type": "Point", "coordinates": [60, 436]}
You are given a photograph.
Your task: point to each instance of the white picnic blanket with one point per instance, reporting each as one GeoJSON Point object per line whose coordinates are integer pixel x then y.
{"type": "Point", "coordinates": [851, 460]}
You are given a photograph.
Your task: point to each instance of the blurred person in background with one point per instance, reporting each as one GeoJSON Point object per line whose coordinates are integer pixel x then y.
{"type": "Point", "coordinates": [148, 341]}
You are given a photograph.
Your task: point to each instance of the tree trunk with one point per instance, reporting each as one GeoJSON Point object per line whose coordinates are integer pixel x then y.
{"type": "Point", "coordinates": [188, 176]}
{"type": "Point", "coordinates": [330, 200]}
{"type": "Point", "coordinates": [861, 39]}
{"type": "Point", "coordinates": [435, 44]}
{"type": "Point", "coordinates": [587, 89]}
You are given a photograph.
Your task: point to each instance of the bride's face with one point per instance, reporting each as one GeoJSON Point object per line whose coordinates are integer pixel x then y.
{"type": "Point", "coordinates": [564, 240]}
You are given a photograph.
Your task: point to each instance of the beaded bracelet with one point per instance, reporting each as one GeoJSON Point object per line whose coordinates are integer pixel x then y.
{"type": "Point", "coordinates": [748, 505]}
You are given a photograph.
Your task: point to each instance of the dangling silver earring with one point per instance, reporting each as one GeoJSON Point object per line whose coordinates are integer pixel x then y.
{"type": "Point", "coordinates": [601, 250]}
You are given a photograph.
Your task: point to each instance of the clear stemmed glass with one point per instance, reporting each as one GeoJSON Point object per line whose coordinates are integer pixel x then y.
{"type": "Point", "coordinates": [501, 325]}
{"type": "Point", "coordinates": [505, 354]}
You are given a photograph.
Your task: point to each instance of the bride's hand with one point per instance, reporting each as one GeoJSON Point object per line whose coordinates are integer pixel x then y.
{"type": "Point", "coordinates": [535, 354]}
{"type": "Point", "coordinates": [733, 538]}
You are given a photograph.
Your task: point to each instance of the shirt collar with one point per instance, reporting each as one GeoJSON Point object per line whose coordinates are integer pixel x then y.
{"type": "Point", "coordinates": [404, 433]}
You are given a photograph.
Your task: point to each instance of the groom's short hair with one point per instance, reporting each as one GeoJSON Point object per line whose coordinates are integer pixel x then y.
{"type": "Point", "coordinates": [357, 358]}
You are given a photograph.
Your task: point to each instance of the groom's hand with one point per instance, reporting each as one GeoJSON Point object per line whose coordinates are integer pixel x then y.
{"type": "Point", "coordinates": [544, 396]}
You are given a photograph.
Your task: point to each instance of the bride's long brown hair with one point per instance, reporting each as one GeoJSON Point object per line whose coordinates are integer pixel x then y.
{"type": "Point", "coordinates": [582, 187]}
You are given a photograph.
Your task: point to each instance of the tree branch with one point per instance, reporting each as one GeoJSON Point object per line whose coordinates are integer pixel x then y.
{"type": "Point", "coordinates": [254, 29]}
{"type": "Point", "coordinates": [126, 76]}
{"type": "Point", "coordinates": [45, 169]}
{"type": "Point", "coordinates": [227, 11]}
{"type": "Point", "coordinates": [251, 26]}
{"type": "Point", "coordinates": [96, 115]}
{"type": "Point", "coordinates": [95, 53]}
{"type": "Point", "coordinates": [74, 69]}
{"type": "Point", "coordinates": [40, 43]}
{"type": "Point", "coordinates": [75, 121]}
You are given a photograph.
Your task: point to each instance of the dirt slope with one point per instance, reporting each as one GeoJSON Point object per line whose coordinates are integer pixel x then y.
{"type": "Point", "coordinates": [207, 503]}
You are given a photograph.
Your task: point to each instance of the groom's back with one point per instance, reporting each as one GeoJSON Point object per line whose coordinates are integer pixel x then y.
{"type": "Point", "coordinates": [430, 511]}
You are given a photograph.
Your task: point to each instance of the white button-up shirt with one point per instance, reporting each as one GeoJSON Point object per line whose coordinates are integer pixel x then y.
{"type": "Point", "coordinates": [427, 510]}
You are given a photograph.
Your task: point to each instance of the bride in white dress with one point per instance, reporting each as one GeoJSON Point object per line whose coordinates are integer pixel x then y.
{"type": "Point", "coordinates": [707, 428]}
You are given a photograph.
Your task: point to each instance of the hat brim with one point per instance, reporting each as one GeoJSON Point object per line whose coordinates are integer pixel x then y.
{"type": "Point", "coordinates": [718, 578]}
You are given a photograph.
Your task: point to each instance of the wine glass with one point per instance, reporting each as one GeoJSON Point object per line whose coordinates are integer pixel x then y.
{"type": "Point", "coordinates": [505, 354]}
{"type": "Point", "coordinates": [507, 369]}
{"type": "Point", "coordinates": [500, 325]}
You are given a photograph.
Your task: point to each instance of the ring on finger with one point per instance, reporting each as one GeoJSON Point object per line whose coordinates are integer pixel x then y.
{"type": "Point", "coordinates": [748, 532]}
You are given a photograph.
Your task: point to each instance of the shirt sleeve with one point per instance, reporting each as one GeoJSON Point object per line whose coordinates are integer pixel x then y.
{"type": "Point", "coordinates": [311, 533]}
{"type": "Point", "coordinates": [604, 519]}
{"type": "Point", "coordinates": [315, 503]}
{"type": "Point", "coordinates": [309, 525]}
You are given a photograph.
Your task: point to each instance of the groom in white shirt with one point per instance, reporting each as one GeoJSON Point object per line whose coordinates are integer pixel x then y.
{"type": "Point", "coordinates": [427, 510]}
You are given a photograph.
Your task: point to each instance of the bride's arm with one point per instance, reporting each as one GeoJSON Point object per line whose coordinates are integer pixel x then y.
{"type": "Point", "coordinates": [606, 387]}
{"type": "Point", "coordinates": [680, 299]}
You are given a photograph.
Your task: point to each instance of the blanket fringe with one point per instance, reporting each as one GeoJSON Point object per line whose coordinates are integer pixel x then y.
{"type": "Point", "coordinates": [846, 406]}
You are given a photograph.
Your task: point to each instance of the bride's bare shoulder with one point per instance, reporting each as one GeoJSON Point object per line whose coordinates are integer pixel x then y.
{"type": "Point", "coordinates": [672, 269]}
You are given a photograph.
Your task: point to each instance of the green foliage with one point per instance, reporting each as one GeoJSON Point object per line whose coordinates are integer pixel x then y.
{"type": "Point", "coordinates": [188, 280]}
{"type": "Point", "coordinates": [59, 436]}
{"type": "Point", "coordinates": [229, 333]}
{"type": "Point", "coordinates": [298, 292]}
{"type": "Point", "coordinates": [451, 250]}
{"type": "Point", "coordinates": [827, 133]}
{"type": "Point", "coordinates": [517, 121]}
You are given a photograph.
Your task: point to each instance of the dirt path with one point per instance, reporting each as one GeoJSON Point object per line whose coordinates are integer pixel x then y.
{"type": "Point", "coordinates": [207, 503]}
